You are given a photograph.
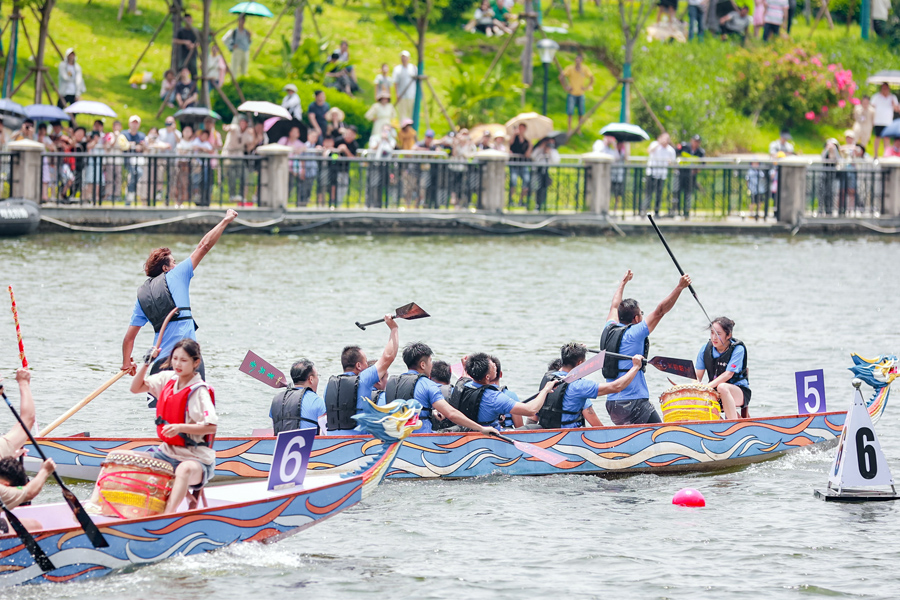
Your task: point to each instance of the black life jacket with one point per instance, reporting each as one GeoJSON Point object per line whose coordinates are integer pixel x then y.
{"type": "Point", "coordinates": [470, 402]}
{"type": "Point", "coordinates": [611, 341]}
{"type": "Point", "coordinates": [287, 409]}
{"type": "Point", "coordinates": [446, 389]}
{"type": "Point", "coordinates": [376, 396]}
{"type": "Point", "coordinates": [506, 420]}
{"type": "Point", "coordinates": [455, 393]}
{"type": "Point", "coordinates": [552, 415]}
{"type": "Point", "coordinates": [404, 388]}
{"type": "Point", "coordinates": [340, 401]}
{"type": "Point", "coordinates": [716, 366]}
{"type": "Point", "coordinates": [156, 301]}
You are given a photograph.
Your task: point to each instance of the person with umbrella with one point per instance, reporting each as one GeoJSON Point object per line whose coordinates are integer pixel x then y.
{"type": "Point", "coordinates": [185, 90]}
{"type": "Point", "coordinates": [71, 80]}
{"type": "Point", "coordinates": [238, 42]}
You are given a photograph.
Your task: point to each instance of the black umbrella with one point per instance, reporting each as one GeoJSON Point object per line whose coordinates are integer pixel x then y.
{"type": "Point", "coordinates": [196, 114]}
{"type": "Point", "coordinates": [282, 128]}
{"type": "Point", "coordinates": [559, 138]}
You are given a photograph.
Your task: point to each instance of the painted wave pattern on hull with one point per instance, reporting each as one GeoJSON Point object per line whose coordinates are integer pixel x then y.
{"type": "Point", "coordinates": [146, 541]}
{"type": "Point", "coordinates": [470, 455]}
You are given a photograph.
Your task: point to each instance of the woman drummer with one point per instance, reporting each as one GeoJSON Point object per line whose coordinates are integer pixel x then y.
{"type": "Point", "coordinates": [185, 419]}
{"type": "Point", "coordinates": [725, 359]}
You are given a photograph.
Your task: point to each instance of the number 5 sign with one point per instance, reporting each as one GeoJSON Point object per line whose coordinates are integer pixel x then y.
{"type": "Point", "coordinates": [810, 392]}
{"type": "Point", "coordinates": [292, 449]}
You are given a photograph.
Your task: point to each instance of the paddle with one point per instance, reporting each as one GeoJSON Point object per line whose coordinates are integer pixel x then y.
{"type": "Point", "coordinates": [40, 557]}
{"type": "Point", "coordinates": [80, 405]}
{"type": "Point", "coordinates": [259, 369]}
{"type": "Point", "coordinates": [675, 366]}
{"type": "Point", "coordinates": [592, 365]}
{"type": "Point", "coordinates": [90, 528]}
{"type": "Point", "coordinates": [408, 311]}
{"type": "Point", "coordinates": [675, 260]}
{"type": "Point", "coordinates": [548, 456]}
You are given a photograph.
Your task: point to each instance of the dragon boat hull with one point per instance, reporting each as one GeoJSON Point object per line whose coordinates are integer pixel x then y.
{"type": "Point", "coordinates": [664, 448]}
{"type": "Point", "coordinates": [239, 512]}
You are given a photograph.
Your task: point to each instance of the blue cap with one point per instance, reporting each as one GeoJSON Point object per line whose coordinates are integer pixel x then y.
{"type": "Point", "coordinates": [429, 133]}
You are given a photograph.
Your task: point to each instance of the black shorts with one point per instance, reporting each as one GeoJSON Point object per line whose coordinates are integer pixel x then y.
{"type": "Point", "coordinates": [877, 129]}
{"type": "Point", "coordinates": [668, 3]}
{"type": "Point", "coordinates": [746, 392]}
{"type": "Point", "coordinates": [632, 412]}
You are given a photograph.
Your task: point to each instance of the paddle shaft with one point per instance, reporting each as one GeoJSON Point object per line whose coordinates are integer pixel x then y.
{"type": "Point", "coordinates": [15, 312]}
{"type": "Point", "coordinates": [159, 336]}
{"type": "Point", "coordinates": [80, 405]}
{"type": "Point", "coordinates": [548, 456]}
{"type": "Point", "coordinates": [40, 557]}
{"type": "Point", "coordinates": [677, 266]}
{"type": "Point", "coordinates": [615, 355]}
{"type": "Point", "coordinates": [376, 321]}
{"type": "Point", "coordinates": [90, 528]}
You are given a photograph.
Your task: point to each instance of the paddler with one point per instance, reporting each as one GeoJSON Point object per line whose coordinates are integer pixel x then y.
{"type": "Point", "coordinates": [725, 360]}
{"type": "Point", "coordinates": [12, 441]}
{"type": "Point", "coordinates": [571, 404]}
{"type": "Point", "coordinates": [185, 419]}
{"type": "Point", "coordinates": [507, 421]}
{"type": "Point", "coordinates": [345, 393]}
{"type": "Point", "coordinates": [628, 332]}
{"type": "Point", "coordinates": [299, 406]}
{"type": "Point", "coordinates": [168, 286]}
{"type": "Point", "coordinates": [483, 403]}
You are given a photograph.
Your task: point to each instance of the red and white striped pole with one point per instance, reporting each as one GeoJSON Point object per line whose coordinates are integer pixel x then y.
{"type": "Point", "coordinates": [15, 313]}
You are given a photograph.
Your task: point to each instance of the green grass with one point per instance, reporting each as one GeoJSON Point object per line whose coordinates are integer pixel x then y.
{"type": "Point", "coordinates": [108, 49]}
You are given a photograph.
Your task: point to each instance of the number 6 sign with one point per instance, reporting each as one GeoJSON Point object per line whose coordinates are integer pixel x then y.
{"type": "Point", "coordinates": [810, 392]}
{"type": "Point", "coordinates": [290, 459]}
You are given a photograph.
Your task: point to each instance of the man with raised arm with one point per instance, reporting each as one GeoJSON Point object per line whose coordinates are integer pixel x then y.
{"type": "Point", "coordinates": [13, 440]}
{"type": "Point", "coordinates": [628, 332]}
{"type": "Point", "coordinates": [168, 286]}
{"type": "Point", "coordinates": [345, 393]}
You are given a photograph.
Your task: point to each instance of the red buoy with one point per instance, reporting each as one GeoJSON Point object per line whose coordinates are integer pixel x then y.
{"type": "Point", "coordinates": [688, 497]}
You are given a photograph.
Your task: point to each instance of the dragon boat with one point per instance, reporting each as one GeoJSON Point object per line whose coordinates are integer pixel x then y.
{"type": "Point", "coordinates": [238, 512]}
{"type": "Point", "coordinates": [664, 448]}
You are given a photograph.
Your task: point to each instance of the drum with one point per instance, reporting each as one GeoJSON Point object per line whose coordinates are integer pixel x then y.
{"type": "Point", "coordinates": [131, 485]}
{"type": "Point", "coordinates": [692, 402]}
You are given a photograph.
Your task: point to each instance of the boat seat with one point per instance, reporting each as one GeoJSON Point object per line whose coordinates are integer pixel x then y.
{"type": "Point", "coordinates": [745, 413]}
{"type": "Point", "coordinates": [196, 497]}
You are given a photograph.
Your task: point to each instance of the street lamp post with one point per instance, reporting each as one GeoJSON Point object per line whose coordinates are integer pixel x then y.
{"type": "Point", "coordinates": [547, 50]}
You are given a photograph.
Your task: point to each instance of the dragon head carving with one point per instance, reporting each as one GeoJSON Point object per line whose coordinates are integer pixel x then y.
{"type": "Point", "coordinates": [392, 422]}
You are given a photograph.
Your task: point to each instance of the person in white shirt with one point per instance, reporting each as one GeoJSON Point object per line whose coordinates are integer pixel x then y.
{"type": "Point", "coordinates": [291, 102]}
{"type": "Point", "coordinates": [404, 77]}
{"type": "Point", "coordinates": [71, 80]}
{"type": "Point", "coordinates": [885, 105]}
{"type": "Point", "coordinates": [775, 17]}
{"type": "Point", "coordinates": [660, 154]}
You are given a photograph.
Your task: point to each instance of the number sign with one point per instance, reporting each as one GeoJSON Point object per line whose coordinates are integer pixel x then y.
{"type": "Point", "coordinates": [810, 392]}
{"type": "Point", "coordinates": [291, 457]}
{"type": "Point", "coordinates": [859, 459]}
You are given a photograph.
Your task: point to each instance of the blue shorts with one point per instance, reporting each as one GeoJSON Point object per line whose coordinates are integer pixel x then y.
{"type": "Point", "coordinates": [208, 470]}
{"type": "Point", "coordinates": [572, 102]}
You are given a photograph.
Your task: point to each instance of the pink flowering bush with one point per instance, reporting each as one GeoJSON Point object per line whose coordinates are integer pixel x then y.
{"type": "Point", "coordinates": [787, 86]}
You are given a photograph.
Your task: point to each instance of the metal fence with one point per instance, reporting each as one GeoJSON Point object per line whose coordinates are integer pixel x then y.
{"type": "Point", "coordinates": [150, 179]}
{"type": "Point", "coordinates": [552, 188]}
{"type": "Point", "coordinates": [698, 190]}
{"type": "Point", "coordinates": [384, 183]}
{"type": "Point", "coordinates": [847, 189]}
{"type": "Point", "coordinates": [7, 160]}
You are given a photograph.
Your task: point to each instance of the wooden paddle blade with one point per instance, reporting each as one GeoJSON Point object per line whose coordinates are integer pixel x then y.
{"type": "Point", "coordinates": [259, 369]}
{"type": "Point", "coordinates": [410, 311]}
{"type": "Point", "coordinates": [40, 557]}
{"type": "Point", "coordinates": [548, 456]}
{"type": "Point", "coordinates": [90, 528]}
{"type": "Point", "coordinates": [675, 366]}
{"type": "Point", "coordinates": [586, 368]}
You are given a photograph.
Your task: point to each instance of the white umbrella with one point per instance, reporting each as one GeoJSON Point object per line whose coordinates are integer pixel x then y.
{"type": "Point", "coordinates": [536, 126]}
{"type": "Point", "coordinates": [625, 132]}
{"type": "Point", "coordinates": [90, 107]}
{"type": "Point", "coordinates": [264, 108]}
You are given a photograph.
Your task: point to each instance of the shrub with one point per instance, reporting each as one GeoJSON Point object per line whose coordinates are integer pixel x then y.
{"type": "Point", "coordinates": [783, 85]}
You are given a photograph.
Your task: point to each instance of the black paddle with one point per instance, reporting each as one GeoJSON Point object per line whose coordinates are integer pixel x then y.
{"type": "Point", "coordinates": [675, 260]}
{"type": "Point", "coordinates": [40, 557]}
{"type": "Point", "coordinates": [408, 311]}
{"type": "Point", "coordinates": [259, 369]}
{"type": "Point", "coordinates": [675, 366]}
{"type": "Point", "coordinates": [90, 528]}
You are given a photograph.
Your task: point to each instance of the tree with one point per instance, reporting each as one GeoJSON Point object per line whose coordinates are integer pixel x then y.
{"type": "Point", "coordinates": [632, 25]}
{"type": "Point", "coordinates": [420, 13]}
{"type": "Point", "coordinates": [297, 34]}
{"type": "Point", "coordinates": [44, 9]}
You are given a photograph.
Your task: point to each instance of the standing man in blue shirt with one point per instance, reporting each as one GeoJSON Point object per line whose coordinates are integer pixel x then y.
{"type": "Point", "coordinates": [299, 406]}
{"type": "Point", "coordinates": [570, 405]}
{"type": "Point", "coordinates": [345, 393]}
{"type": "Point", "coordinates": [627, 332]}
{"type": "Point", "coordinates": [168, 286]}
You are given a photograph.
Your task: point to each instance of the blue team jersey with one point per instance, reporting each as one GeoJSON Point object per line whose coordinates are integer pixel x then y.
{"type": "Point", "coordinates": [179, 282]}
{"type": "Point", "coordinates": [632, 343]}
{"type": "Point", "coordinates": [493, 404]}
{"type": "Point", "coordinates": [579, 397]}
{"type": "Point", "coordinates": [427, 392]}
{"type": "Point", "coordinates": [737, 361]}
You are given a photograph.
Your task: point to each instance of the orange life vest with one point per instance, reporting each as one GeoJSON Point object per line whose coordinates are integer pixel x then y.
{"type": "Point", "coordinates": [171, 409]}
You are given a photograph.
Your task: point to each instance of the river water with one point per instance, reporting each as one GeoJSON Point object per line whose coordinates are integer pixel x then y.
{"type": "Point", "coordinates": [799, 303]}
